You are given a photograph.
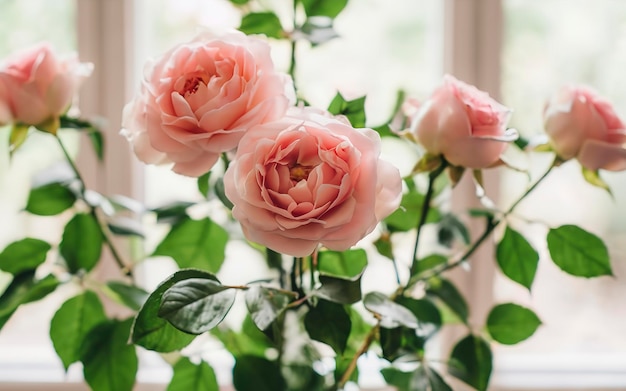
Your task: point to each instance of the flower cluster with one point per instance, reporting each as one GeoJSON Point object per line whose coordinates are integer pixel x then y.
{"type": "Point", "coordinates": [306, 184]}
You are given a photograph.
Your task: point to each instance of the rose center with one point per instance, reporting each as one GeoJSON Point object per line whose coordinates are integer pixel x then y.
{"type": "Point", "coordinates": [192, 82]}
{"type": "Point", "coordinates": [299, 172]}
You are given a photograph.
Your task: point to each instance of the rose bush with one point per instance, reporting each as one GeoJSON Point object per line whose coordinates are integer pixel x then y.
{"type": "Point", "coordinates": [583, 125]}
{"type": "Point", "coordinates": [198, 99]}
{"type": "Point", "coordinates": [463, 124]}
{"type": "Point", "coordinates": [37, 86]}
{"type": "Point", "coordinates": [310, 179]}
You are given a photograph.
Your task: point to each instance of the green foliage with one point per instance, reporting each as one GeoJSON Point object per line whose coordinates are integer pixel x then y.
{"type": "Point", "coordinates": [24, 288]}
{"type": "Point", "coordinates": [329, 322]}
{"type": "Point", "coordinates": [252, 373]}
{"type": "Point", "coordinates": [354, 110]}
{"type": "Point", "coordinates": [248, 341]}
{"type": "Point", "coordinates": [172, 212]}
{"type": "Point", "coordinates": [109, 362]}
{"type": "Point", "coordinates": [50, 199]}
{"type": "Point", "coordinates": [422, 379]}
{"type": "Point", "coordinates": [451, 228]}
{"type": "Point", "coordinates": [339, 290]}
{"type": "Point", "coordinates": [189, 376]}
{"type": "Point", "coordinates": [23, 255]}
{"type": "Point", "coordinates": [348, 264]}
{"type": "Point", "coordinates": [129, 295]}
{"type": "Point", "coordinates": [445, 290]}
{"type": "Point", "coordinates": [329, 8]}
{"type": "Point", "coordinates": [155, 333]}
{"type": "Point", "coordinates": [510, 323]}
{"type": "Point", "coordinates": [220, 192]}
{"type": "Point", "coordinates": [593, 177]}
{"type": "Point", "coordinates": [203, 184]}
{"type": "Point", "coordinates": [428, 317]}
{"type": "Point", "coordinates": [262, 23]}
{"type": "Point", "coordinates": [405, 218]}
{"type": "Point", "coordinates": [124, 226]}
{"type": "Point", "coordinates": [471, 362]}
{"type": "Point", "coordinates": [82, 242]}
{"type": "Point", "coordinates": [71, 324]}
{"type": "Point", "coordinates": [578, 252]}
{"type": "Point", "coordinates": [19, 133]}
{"type": "Point", "coordinates": [196, 305]}
{"type": "Point", "coordinates": [265, 305]}
{"type": "Point", "coordinates": [517, 259]}
{"type": "Point", "coordinates": [392, 314]}
{"type": "Point", "coordinates": [196, 244]}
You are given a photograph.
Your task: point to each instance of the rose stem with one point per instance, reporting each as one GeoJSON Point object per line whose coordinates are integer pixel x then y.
{"type": "Point", "coordinates": [492, 225]}
{"type": "Point", "coordinates": [425, 209]}
{"type": "Point", "coordinates": [105, 232]}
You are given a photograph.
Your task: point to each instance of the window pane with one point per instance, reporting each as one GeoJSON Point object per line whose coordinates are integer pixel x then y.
{"type": "Point", "coordinates": [383, 47]}
{"type": "Point", "coordinates": [548, 44]}
{"type": "Point", "coordinates": [25, 337]}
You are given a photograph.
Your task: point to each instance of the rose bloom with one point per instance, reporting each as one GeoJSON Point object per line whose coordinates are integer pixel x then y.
{"type": "Point", "coordinates": [310, 179]}
{"type": "Point", "coordinates": [36, 85]}
{"type": "Point", "coordinates": [463, 124]}
{"type": "Point", "coordinates": [583, 125]}
{"type": "Point", "coordinates": [199, 98]}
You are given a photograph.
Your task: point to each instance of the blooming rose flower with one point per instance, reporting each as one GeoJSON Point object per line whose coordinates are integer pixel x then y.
{"type": "Point", "coordinates": [463, 124]}
{"type": "Point", "coordinates": [199, 98]}
{"type": "Point", "coordinates": [308, 179]}
{"type": "Point", "coordinates": [36, 85]}
{"type": "Point", "coordinates": [583, 125]}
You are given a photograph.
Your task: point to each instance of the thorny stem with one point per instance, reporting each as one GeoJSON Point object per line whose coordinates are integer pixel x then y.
{"type": "Point", "coordinates": [491, 225]}
{"type": "Point", "coordinates": [103, 228]}
{"type": "Point", "coordinates": [488, 230]}
{"type": "Point", "coordinates": [432, 177]}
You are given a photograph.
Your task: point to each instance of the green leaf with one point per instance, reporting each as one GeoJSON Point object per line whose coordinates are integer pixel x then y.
{"type": "Point", "coordinates": [262, 23]}
{"type": "Point", "coordinates": [155, 333]}
{"type": "Point", "coordinates": [406, 216]}
{"type": "Point", "coordinates": [317, 30]}
{"type": "Point", "coordinates": [19, 133]}
{"type": "Point", "coordinates": [471, 362]}
{"type": "Point", "coordinates": [265, 305]}
{"type": "Point", "coordinates": [203, 184]}
{"type": "Point", "coordinates": [71, 323]}
{"type": "Point", "coordinates": [50, 199]}
{"type": "Point", "coordinates": [348, 265]}
{"type": "Point", "coordinates": [125, 226]}
{"type": "Point", "coordinates": [220, 192]}
{"type": "Point", "coordinates": [24, 289]}
{"type": "Point", "coordinates": [199, 244]}
{"type": "Point", "coordinates": [97, 142]}
{"type": "Point", "coordinates": [392, 314]}
{"type": "Point", "coordinates": [23, 255]}
{"type": "Point", "coordinates": [510, 323]}
{"type": "Point", "coordinates": [172, 212]}
{"type": "Point", "coordinates": [426, 313]}
{"type": "Point", "coordinates": [330, 8]}
{"type": "Point", "coordinates": [427, 263]}
{"type": "Point", "coordinates": [450, 296]}
{"type": "Point", "coordinates": [397, 378]}
{"type": "Point", "coordinates": [109, 362]}
{"type": "Point", "coordinates": [189, 376]}
{"type": "Point", "coordinates": [249, 341]}
{"type": "Point", "coordinates": [578, 252]}
{"type": "Point", "coordinates": [329, 323]}
{"type": "Point", "coordinates": [82, 242]}
{"type": "Point", "coordinates": [253, 373]}
{"type": "Point", "coordinates": [239, 2]}
{"type": "Point", "coordinates": [593, 177]}
{"type": "Point", "coordinates": [517, 259]}
{"type": "Point", "coordinates": [339, 290]}
{"type": "Point", "coordinates": [196, 305]}
{"type": "Point", "coordinates": [384, 246]}
{"type": "Point", "coordinates": [354, 110]}
{"type": "Point", "coordinates": [422, 379]}
{"type": "Point", "coordinates": [131, 296]}
{"type": "Point", "coordinates": [450, 228]}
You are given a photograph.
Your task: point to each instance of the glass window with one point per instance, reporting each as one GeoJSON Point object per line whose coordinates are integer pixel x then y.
{"type": "Point", "coordinates": [24, 23]}
{"type": "Point", "coordinates": [548, 44]}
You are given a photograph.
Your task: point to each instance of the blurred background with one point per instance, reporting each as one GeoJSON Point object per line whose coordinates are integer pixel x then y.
{"type": "Point", "coordinates": [520, 51]}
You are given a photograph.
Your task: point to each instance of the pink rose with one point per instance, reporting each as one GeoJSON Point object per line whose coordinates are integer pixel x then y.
{"type": "Point", "coordinates": [583, 125]}
{"type": "Point", "coordinates": [199, 99]}
{"type": "Point", "coordinates": [463, 124]}
{"type": "Point", "coordinates": [37, 86]}
{"type": "Point", "coordinates": [310, 179]}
